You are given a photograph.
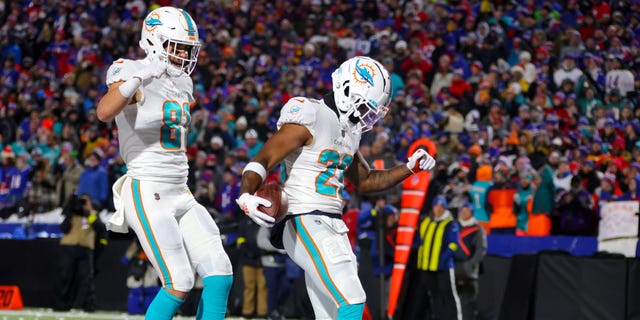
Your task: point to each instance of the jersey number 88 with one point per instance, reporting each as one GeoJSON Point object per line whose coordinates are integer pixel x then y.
{"type": "Point", "coordinates": [171, 132]}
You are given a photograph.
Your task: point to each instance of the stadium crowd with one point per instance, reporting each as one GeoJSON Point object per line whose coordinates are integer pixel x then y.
{"type": "Point", "coordinates": [517, 86]}
{"type": "Point", "coordinates": [532, 104]}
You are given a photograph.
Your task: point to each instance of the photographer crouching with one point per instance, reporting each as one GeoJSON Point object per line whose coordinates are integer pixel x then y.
{"type": "Point", "coordinates": [84, 237]}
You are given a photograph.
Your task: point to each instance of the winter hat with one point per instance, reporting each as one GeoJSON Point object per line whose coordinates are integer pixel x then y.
{"type": "Point", "coordinates": [7, 152]}
{"type": "Point", "coordinates": [439, 200]}
{"type": "Point", "coordinates": [484, 173]}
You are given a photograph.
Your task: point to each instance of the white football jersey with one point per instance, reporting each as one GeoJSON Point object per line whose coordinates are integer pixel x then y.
{"type": "Point", "coordinates": [153, 132]}
{"type": "Point", "coordinates": [314, 174]}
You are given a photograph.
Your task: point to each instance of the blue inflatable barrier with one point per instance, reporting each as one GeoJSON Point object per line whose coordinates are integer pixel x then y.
{"type": "Point", "coordinates": [509, 245]}
{"type": "Point", "coordinates": [20, 231]}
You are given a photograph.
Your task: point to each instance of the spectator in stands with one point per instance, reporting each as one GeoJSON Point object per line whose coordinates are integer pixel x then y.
{"type": "Point", "coordinates": [432, 293]}
{"type": "Point", "coordinates": [575, 211]}
{"type": "Point", "coordinates": [216, 147]}
{"type": "Point", "coordinates": [589, 176]}
{"type": "Point", "coordinates": [473, 247]}
{"type": "Point", "coordinates": [562, 176]}
{"type": "Point", "coordinates": [227, 191]}
{"type": "Point", "coordinates": [94, 181]}
{"type": "Point", "coordinates": [606, 192]}
{"type": "Point", "coordinates": [442, 77]}
{"type": "Point", "coordinates": [252, 143]}
{"type": "Point", "coordinates": [478, 195]}
{"type": "Point", "coordinates": [7, 162]}
{"type": "Point", "coordinates": [499, 202]}
{"type": "Point", "coordinates": [543, 200]}
{"type": "Point", "coordinates": [567, 70]}
{"type": "Point", "coordinates": [16, 181]}
{"type": "Point", "coordinates": [68, 183]}
{"type": "Point", "coordinates": [205, 190]}
{"type": "Point", "coordinates": [42, 196]}
{"type": "Point", "coordinates": [522, 201]}
{"type": "Point", "coordinates": [618, 78]}
{"type": "Point", "coordinates": [92, 139]}
{"type": "Point", "coordinates": [456, 190]}
{"type": "Point", "coordinates": [633, 193]}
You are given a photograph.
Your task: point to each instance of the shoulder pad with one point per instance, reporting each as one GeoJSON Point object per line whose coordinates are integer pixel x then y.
{"type": "Point", "coordinates": [298, 110]}
{"type": "Point", "coordinates": [120, 70]}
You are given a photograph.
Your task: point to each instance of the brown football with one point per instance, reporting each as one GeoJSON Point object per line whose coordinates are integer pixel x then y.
{"type": "Point", "coordinates": [273, 192]}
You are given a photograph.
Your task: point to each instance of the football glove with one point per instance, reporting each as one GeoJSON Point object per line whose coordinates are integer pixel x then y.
{"type": "Point", "coordinates": [420, 161]}
{"type": "Point", "coordinates": [249, 204]}
{"type": "Point", "coordinates": [152, 70]}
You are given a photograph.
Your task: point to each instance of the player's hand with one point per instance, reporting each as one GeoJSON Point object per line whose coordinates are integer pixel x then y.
{"type": "Point", "coordinates": [155, 69]}
{"type": "Point", "coordinates": [420, 160]}
{"type": "Point", "coordinates": [249, 204]}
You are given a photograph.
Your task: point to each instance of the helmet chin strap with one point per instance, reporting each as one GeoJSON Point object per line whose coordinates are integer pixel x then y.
{"type": "Point", "coordinates": [353, 119]}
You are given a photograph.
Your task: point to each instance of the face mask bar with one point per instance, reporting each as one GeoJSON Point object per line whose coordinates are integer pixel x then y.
{"type": "Point", "coordinates": [187, 64]}
{"type": "Point", "coordinates": [367, 112]}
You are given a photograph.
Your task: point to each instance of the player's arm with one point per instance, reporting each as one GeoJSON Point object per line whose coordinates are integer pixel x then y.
{"type": "Point", "coordinates": [290, 137]}
{"type": "Point", "coordinates": [123, 92]}
{"type": "Point", "coordinates": [114, 101]}
{"type": "Point", "coordinates": [367, 180]}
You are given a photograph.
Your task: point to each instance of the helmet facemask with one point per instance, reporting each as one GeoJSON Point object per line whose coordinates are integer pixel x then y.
{"type": "Point", "coordinates": [176, 64]}
{"type": "Point", "coordinates": [362, 114]}
{"type": "Point", "coordinates": [361, 89]}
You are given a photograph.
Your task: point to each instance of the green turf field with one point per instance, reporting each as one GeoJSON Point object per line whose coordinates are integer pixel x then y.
{"type": "Point", "coordinates": [48, 314]}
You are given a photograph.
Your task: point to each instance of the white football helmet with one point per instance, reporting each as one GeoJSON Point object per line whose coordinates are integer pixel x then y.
{"type": "Point", "coordinates": [362, 91]}
{"type": "Point", "coordinates": [171, 27]}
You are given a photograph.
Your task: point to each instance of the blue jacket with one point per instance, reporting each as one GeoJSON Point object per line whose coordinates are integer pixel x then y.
{"type": "Point", "coordinates": [94, 182]}
{"type": "Point", "coordinates": [367, 235]}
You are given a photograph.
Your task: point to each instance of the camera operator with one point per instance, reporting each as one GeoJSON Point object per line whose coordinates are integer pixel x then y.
{"type": "Point", "coordinates": [84, 237]}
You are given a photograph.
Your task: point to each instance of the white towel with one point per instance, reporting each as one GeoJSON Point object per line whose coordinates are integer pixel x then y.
{"type": "Point", "coordinates": [117, 222]}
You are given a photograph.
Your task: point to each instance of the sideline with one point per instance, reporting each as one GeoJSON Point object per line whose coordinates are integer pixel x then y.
{"type": "Point", "coordinates": [73, 314]}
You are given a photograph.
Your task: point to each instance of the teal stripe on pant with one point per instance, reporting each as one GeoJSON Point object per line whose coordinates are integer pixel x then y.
{"type": "Point", "coordinates": [317, 260]}
{"type": "Point", "coordinates": [146, 227]}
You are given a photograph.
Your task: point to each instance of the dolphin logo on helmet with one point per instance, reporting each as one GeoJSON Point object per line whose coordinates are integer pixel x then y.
{"type": "Point", "coordinates": [365, 72]}
{"type": "Point", "coordinates": [152, 22]}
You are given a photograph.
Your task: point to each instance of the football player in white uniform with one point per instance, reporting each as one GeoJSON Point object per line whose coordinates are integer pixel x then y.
{"type": "Point", "coordinates": [150, 99]}
{"type": "Point", "coordinates": [318, 141]}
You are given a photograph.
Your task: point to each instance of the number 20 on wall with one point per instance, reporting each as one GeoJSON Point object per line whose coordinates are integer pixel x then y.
{"type": "Point", "coordinates": [171, 132]}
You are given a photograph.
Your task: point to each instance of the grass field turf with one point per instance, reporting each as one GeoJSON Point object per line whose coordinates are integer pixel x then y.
{"type": "Point", "coordinates": [48, 314]}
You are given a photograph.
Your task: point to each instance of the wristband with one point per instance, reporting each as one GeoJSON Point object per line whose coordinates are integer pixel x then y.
{"type": "Point", "coordinates": [129, 87]}
{"type": "Point", "coordinates": [257, 168]}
